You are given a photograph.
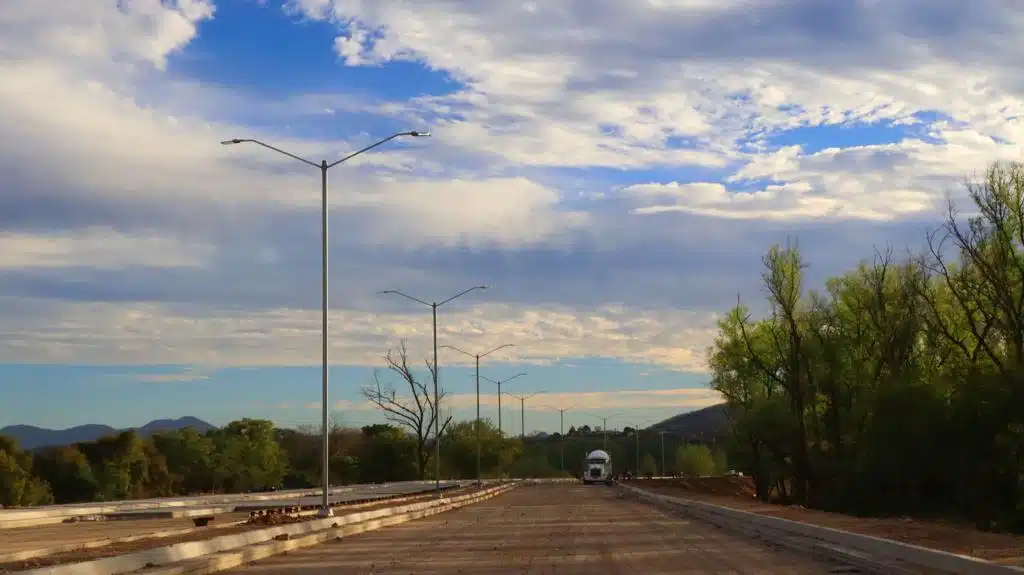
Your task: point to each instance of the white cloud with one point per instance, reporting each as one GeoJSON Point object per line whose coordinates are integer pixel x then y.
{"type": "Point", "coordinates": [683, 398]}
{"type": "Point", "coordinates": [182, 376]}
{"type": "Point", "coordinates": [111, 161]}
{"type": "Point", "coordinates": [108, 333]}
{"type": "Point", "coordinates": [104, 249]}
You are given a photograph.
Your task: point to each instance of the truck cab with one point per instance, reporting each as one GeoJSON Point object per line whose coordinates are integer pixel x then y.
{"type": "Point", "coordinates": [597, 467]}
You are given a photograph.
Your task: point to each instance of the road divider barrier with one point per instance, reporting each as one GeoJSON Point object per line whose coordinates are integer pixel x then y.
{"type": "Point", "coordinates": [883, 556]}
{"type": "Point", "coordinates": [229, 551]}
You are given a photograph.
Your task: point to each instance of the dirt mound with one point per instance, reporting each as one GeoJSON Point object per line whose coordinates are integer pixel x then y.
{"type": "Point", "coordinates": [730, 486]}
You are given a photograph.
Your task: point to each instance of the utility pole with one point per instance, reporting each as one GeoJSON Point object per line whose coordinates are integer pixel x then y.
{"type": "Point", "coordinates": [561, 438]}
{"type": "Point", "coordinates": [437, 375]}
{"type": "Point", "coordinates": [522, 412]}
{"type": "Point", "coordinates": [663, 472]}
{"type": "Point", "coordinates": [324, 166]}
{"type": "Point", "coordinates": [636, 432]}
{"type": "Point", "coordinates": [477, 357]}
{"type": "Point", "coordinates": [499, 384]}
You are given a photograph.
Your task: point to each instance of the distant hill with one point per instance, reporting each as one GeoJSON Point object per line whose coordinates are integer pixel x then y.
{"type": "Point", "coordinates": [32, 437]}
{"type": "Point", "coordinates": [707, 422]}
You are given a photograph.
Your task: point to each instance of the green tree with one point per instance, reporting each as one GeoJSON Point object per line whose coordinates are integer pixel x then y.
{"type": "Point", "coordinates": [695, 460]}
{"type": "Point", "coordinates": [67, 471]}
{"type": "Point", "coordinates": [18, 486]}
{"type": "Point", "coordinates": [388, 454]}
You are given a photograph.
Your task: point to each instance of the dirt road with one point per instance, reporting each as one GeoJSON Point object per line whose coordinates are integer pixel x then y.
{"type": "Point", "coordinates": [545, 529]}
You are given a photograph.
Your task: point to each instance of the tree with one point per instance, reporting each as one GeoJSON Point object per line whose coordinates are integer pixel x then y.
{"type": "Point", "coordinates": [18, 486]}
{"type": "Point", "coordinates": [67, 471]}
{"type": "Point", "coordinates": [416, 413]}
{"type": "Point", "coordinates": [695, 460]}
{"type": "Point", "coordinates": [497, 452]}
{"type": "Point", "coordinates": [388, 454]}
{"type": "Point", "coordinates": [248, 456]}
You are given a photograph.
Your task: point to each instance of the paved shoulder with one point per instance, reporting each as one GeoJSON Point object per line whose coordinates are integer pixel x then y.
{"type": "Point", "coordinates": [544, 529]}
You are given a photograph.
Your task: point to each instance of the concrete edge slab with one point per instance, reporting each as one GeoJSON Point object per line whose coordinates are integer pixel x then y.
{"type": "Point", "coordinates": [885, 553]}
{"type": "Point", "coordinates": [131, 562]}
{"type": "Point", "coordinates": [234, 559]}
{"type": "Point", "coordinates": [97, 543]}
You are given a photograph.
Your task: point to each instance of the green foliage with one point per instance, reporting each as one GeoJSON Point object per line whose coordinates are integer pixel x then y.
{"type": "Point", "coordinates": [897, 388]}
{"type": "Point", "coordinates": [695, 460]}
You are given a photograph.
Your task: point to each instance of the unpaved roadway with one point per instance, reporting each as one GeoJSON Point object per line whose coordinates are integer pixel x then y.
{"type": "Point", "coordinates": [544, 529]}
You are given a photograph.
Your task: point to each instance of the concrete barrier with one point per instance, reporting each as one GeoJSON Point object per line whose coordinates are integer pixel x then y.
{"type": "Point", "coordinates": [185, 551]}
{"type": "Point", "coordinates": [97, 543]}
{"type": "Point", "coordinates": [882, 555]}
{"type": "Point", "coordinates": [165, 508]}
{"type": "Point", "coordinates": [234, 559]}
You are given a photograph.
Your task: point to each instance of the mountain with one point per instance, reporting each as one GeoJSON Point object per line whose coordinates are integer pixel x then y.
{"type": "Point", "coordinates": [707, 422]}
{"type": "Point", "coordinates": [32, 437]}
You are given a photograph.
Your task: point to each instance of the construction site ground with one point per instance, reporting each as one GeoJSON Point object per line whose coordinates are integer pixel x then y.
{"type": "Point", "coordinates": [559, 529]}
{"type": "Point", "coordinates": [738, 493]}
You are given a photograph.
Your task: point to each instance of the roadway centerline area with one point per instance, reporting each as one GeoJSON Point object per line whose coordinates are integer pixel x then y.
{"type": "Point", "coordinates": [564, 529]}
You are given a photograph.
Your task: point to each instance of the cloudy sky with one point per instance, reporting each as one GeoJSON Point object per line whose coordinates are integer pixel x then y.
{"type": "Point", "coordinates": [613, 168]}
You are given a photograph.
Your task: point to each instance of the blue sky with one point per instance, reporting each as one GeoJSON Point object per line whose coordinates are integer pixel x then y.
{"type": "Point", "coordinates": [615, 174]}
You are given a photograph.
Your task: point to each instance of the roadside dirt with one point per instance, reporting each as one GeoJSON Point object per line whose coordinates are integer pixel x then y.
{"type": "Point", "coordinates": [738, 493]}
{"type": "Point", "coordinates": [119, 548]}
{"type": "Point", "coordinates": [544, 529]}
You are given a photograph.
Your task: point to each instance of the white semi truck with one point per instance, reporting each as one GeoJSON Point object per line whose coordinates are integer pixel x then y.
{"type": "Point", "coordinates": [597, 468]}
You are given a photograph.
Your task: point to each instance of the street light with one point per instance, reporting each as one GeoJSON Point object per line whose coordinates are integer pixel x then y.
{"type": "Point", "coordinates": [323, 166]}
{"type": "Point", "coordinates": [522, 412]}
{"type": "Point", "coordinates": [477, 357]}
{"type": "Point", "coordinates": [499, 384]}
{"type": "Point", "coordinates": [437, 407]}
{"type": "Point", "coordinates": [561, 438]}
{"type": "Point", "coordinates": [636, 432]}
{"type": "Point", "coordinates": [604, 425]}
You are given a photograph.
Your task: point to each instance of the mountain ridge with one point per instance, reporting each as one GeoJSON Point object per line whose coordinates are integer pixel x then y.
{"type": "Point", "coordinates": [31, 437]}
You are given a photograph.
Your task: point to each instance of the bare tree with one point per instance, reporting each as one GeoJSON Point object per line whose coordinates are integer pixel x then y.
{"type": "Point", "coordinates": [418, 413]}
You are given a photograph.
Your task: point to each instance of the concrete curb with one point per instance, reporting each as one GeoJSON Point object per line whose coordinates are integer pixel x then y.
{"type": "Point", "coordinates": [233, 559]}
{"type": "Point", "coordinates": [185, 551]}
{"type": "Point", "coordinates": [44, 515]}
{"type": "Point", "coordinates": [869, 552]}
{"type": "Point", "coordinates": [98, 543]}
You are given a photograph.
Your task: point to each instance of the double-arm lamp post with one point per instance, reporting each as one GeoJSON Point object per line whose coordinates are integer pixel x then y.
{"type": "Point", "coordinates": [323, 166]}
{"type": "Point", "coordinates": [437, 407]}
{"type": "Point", "coordinates": [522, 412]}
{"type": "Point", "coordinates": [477, 356]}
{"type": "Point", "coordinates": [499, 384]}
{"type": "Point", "coordinates": [604, 425]}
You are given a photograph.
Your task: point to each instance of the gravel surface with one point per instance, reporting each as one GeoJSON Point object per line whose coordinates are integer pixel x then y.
{"type": "Point", "coordinates": [544, 529]}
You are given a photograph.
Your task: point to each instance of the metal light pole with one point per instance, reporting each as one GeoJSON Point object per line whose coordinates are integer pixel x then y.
{"type": "Point", "coordinates": [522, 412]}
{"type": "Point", "coordinates": [437, 407]}
{"type": "Point", "coordinates": [561, 438]}
{"type": "Point", "coordinates": [499, 384]}
{"type": "Point", "coordinates": [477, 357]}
{"type": "Point", "coordinates": [604, 425]}
{"type": "Point", "coordinates": [636, 432]}
{"type": "Point", "coordinates": [663, 471]}
{"type": "Point", "coordinates": [323, 166]}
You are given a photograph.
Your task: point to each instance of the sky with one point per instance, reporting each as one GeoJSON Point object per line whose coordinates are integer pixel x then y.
{"type": "Point", "coordinates": [614, 170]}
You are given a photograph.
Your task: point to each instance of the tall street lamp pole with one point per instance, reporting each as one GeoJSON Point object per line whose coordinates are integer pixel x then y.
{"type": "Point", "coordinates": [561, 438]}
{"type": "Point", "coordinates": [522, 413]}
{"type": "Point", "coordinates": [499, 384]}
{"type": "Point", "coordinates": [477, 357]}
{"type": "Point", "coordinates": [604, 425]}
{"type": "Point", "coordinates": [636, 432]}
{"type": "Point", "coordinates": [323, 166]}
{"type": "Point", "coordinates": [437, 407]}
{"type": "Point", "coordinates": [662, 434]}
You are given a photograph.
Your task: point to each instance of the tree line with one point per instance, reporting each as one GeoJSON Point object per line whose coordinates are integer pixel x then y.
{"type": "Point", "coordinates": [253, 455]}
{"type": "Point", "coordinates": [899, 386]}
